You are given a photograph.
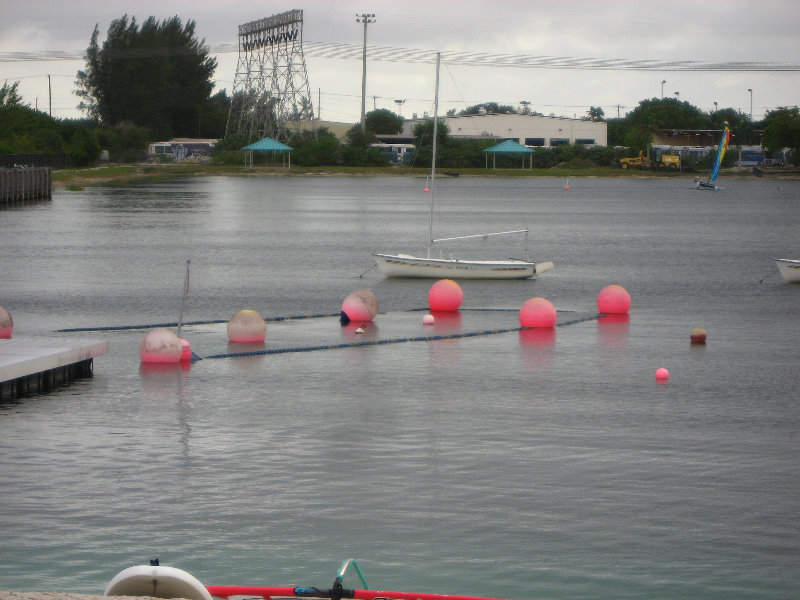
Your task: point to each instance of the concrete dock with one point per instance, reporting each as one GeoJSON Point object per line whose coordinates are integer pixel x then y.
{"type": "Point", "coordinates": [38, 365]}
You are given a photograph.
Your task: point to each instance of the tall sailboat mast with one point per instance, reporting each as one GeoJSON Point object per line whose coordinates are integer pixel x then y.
{"type": "Point", "coordinates": [433, 154]}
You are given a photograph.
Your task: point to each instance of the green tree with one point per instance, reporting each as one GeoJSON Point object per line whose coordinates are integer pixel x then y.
{"type": "Point", "coordinates": [595, 113]}
{"type": "Point", "coordinates": [782, 130]}
{"type": "Point", "coordinates": [156, 76]}
{"type": "Point", "coordinates": [383, 121]}
{"type": "Point", "coordinates": [9, 96]}
{"type": "Point", "coordinates": [492, 108]}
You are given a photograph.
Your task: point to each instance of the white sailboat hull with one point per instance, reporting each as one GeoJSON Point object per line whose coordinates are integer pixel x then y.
{"type": "Point", "coordinates": [790, 269]}
{"type": "Point", "coordinates": [404, 265]}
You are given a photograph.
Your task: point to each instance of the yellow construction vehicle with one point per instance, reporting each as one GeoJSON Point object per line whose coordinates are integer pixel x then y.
{"type": "Point", "coordinates": [661, 160]}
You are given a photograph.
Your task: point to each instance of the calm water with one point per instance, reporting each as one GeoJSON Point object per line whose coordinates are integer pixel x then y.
{"type": "Point", "coordinates": [507, 465]}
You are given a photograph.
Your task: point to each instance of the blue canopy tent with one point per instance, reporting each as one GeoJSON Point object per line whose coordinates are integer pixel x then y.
{"type": "Point", "coordinates": [505, 148]}
{"type": "Point", "coordinates": [268, 145]}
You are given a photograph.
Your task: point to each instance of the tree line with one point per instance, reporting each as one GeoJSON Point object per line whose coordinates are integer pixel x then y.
{"type": "Point", "coordinates": [153, 82]}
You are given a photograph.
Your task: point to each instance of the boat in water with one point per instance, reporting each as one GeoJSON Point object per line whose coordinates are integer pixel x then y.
{"type": "Point", "coordinates": [406, 265]}
{"type": "Point", "coordinates": [789, 269]}
{"type": "Point", "coordinates": [159, 581]}
{"type": "Point", "coordinates": [712, 177]}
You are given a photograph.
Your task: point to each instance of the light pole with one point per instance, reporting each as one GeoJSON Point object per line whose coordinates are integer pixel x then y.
{"type": "Point", "coordinates": [364, 18]}
{"type": "Point", "coordinates": [400, 106]}
{"type": "Point", "coordinates": [525, 104]}
{"type": "Point", "coordinates": [662, 88]}
{"type": "Point", "coordinates": [715, 106]}
{"type": "Point", "coordinates": [678, 96]}
{"type": "Point", "coordinates": [751, 102]}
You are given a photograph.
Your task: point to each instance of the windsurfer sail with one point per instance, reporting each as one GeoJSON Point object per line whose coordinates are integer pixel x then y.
{"type": "Point", "coordinates": [723, 146]}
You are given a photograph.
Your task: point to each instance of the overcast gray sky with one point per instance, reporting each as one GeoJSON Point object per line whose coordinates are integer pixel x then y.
{"type": "Point", "coordinates": [699, 30]}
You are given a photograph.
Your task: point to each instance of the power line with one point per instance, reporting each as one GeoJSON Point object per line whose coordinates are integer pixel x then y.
{"type": "Point", "coordinates": [475, 59]}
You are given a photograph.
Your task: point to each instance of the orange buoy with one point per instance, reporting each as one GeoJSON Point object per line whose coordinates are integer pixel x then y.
{"type": "Point", "coordinates": [698, 335]}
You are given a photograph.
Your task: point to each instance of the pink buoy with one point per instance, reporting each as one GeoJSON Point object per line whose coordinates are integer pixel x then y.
{"type": "Point", "coordinates": [6, 324]}
{"type": "Point", "coordinates": [160, 346]}
{"type": "Point", "coordinates": [537, 312]}
{"type": "Point", "coordinates": [186, 350]}
{"type": "Point", "coordinates": [662, 374]}
{"type": "Point", "coordinates": [428, 320]}
{"type": "Point", "coordinates": [445, 295]}
{"type": "Point", "coordinates": [247, 327]}
{"type": "Point", "coordinates": [359, 306]}
{"type": "Point", "coordinates": [613, 299]}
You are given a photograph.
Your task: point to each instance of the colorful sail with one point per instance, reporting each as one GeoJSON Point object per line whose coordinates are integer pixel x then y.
{"type": "Point", "coordinates": [723, 146]}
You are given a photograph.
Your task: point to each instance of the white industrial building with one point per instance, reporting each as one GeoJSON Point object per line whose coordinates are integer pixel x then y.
{"type": "Point", "coordinates": [528, 130]}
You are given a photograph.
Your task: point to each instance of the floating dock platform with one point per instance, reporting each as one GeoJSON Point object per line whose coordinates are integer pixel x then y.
{"type": "Point", "coordinates": [39, 365]}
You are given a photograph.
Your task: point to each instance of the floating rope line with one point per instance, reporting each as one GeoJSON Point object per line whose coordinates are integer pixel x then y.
{"type": "Point", "coordinates": [175, 324]}
{"type": "Point", "coordinates": [403, 340]}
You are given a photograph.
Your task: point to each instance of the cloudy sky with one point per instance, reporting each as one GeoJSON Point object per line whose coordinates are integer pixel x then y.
{"type": "Point", "coordinates": [710, 31]}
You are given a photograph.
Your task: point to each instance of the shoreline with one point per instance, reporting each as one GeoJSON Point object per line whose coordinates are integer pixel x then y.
{"type": "Point", "coordinates": [77, 179]}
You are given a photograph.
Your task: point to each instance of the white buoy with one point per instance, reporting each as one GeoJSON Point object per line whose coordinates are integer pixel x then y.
{"type": "Point", "coordinates": [428, 320]}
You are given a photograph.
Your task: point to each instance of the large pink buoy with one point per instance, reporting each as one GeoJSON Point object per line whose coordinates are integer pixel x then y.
{"type": "Point", "coordinates": [6, 324]}
{"type": "Point", "coordinates": [359, 306]}
{"type": "Point", "coordinates": [160, 346]}
{"type": "Point", "coordinates": [248, 327]}
{"type": "Point", "coordinates": [537, 312]}
{"type": "Point", "coordinates": [445, 295]}
{"type": "Point", "coordinates": [613, 299]}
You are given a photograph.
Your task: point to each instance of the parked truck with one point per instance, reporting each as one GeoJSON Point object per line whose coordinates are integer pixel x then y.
{"type": "Point", "coordinates": [660, 160]}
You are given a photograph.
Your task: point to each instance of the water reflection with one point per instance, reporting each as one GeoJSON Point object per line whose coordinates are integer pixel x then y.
{"type": "Point", "coordinates": [612, 330]}
{"type": "Point", "coordinates": [537, 347]}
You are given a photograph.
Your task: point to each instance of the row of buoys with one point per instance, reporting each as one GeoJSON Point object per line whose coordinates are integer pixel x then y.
{"type": "Point", "coordinates": [6, 324]}
{"type": "Point", "coordinates": [162, 345]}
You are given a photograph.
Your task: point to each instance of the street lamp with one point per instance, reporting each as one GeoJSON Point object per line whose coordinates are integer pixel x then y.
{"type": "Point", "coordinates": [662, 88]}
{"type": "Point", "coordinates": [364, 18]}
{"type": "Point", "coordinates": [751, 102]}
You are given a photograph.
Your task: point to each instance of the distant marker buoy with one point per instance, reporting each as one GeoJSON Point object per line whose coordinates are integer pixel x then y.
{"type": "Point", "coordinates": [445, 295]}
{"type": "Point", "coordinates": [698, 335]}
{"type": "Point", "coordinates": [538, 312]}
{"type": "Point", "coordinates": [428, 320]}
{"type": "Point", "coordinates": [427, 189]}
{"type": "Point", "coordinates": [6, 324]}
{"type": "Point", "coordinates": [359, 330]}
{"type": "Point", "coordinates": [662, 374]}
{"type": "Point", "coordinates": [186, 347]}
{"type": "Point", "coordinates": [247, 327]}
{"type": "Point", "coordinates": [566, 187]}
{"type": "Point", "coordinates": [614, 299]}
{"type": "Point", "coordinates": [160, 345]}
{"type": "Point", "coordinates": [359, 306]}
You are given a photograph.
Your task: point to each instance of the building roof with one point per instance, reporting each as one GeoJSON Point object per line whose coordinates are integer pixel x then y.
{"type": "Point", "coordinates": [509, 147]}
{"type": "Point", "coordinates": [268, 144]}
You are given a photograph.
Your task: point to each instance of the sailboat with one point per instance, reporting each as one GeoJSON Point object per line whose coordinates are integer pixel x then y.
{"type": "Point", "coordinates": [405, 265]}
{"type": "Point", "coordinates": [712, 177]}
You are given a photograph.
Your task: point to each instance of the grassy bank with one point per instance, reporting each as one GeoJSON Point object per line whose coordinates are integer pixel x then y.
{"type": "Point", "coordinates": [76, 179]}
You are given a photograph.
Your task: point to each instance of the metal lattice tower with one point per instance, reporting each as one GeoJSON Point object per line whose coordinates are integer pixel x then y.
{"type": "Point", "coordinates": [270, 91]}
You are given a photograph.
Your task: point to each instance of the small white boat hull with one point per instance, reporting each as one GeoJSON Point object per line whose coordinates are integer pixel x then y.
{"type": "Point", "coordinates": [403, 265]}
{"type": "Point", "coordinates": [158, 582]}
{"type": "Point", "coordinates": [789, 268]}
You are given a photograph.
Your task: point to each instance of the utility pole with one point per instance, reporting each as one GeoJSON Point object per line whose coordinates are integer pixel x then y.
{"type": "Point", "coordinates": [364, 18]}
{"type": "Point", "coordinates": [319, 104]}
{"type": "Point", "coordinates": [50, 95]}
